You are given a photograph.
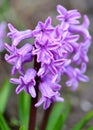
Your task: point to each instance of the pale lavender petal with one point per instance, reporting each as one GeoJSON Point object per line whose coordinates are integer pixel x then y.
{"type": "Point", "coordinates": [41, 25]}
{"type": "Point", "coordinates": [69, 83]}
{"type": "Point", "coordinates": [46, 104]}
{"type": "Point", "coordinates": [13, 70]}
{"type": "Point", "coordinates": [59, 99]}
{"type": "Point", "coordinates": [18, 63]}
{"type": "Point", "coordinates": [30, 74]}
{"type": "Point", "coordinates": [19, 89]}
{"type": "Point", "coordinates": [76, 57]}
{"type": "Point", "coordinates": [8, 48]}
{"type": "Point", "coordinates": [32, 91]}
{"type": "Point", "coordinates": [11, 27]}
{"type": "Point", "coordinates": [83, 78]}
{"type": "Point", "coordinates": [25, 49]}
{"type": "Point", "coordinates": [72, 38]}
{"type": "Point", "coordinates": [61, 10]}
{"type": "Point", "coordinates": [15, 81]}
{"type": "Point", "coordinates": [69, 48]}
{"type": "Point", "coordinates": [41, 100]}
{"type": "Point", "coordinates": [41, 71]}
{"type": "Point", "coordinates": [83, 67]}
{"type": "Point", "coordinates": [75, 85]}
{"type": "Point", "coordinates": [59, 62]}
{"type": "Point", "coordinates": [48, 22]}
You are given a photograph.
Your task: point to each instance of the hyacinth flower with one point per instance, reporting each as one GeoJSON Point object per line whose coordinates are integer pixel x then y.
{"type": "Point", "coordinates": [81, 55]}
{"type": "Point", "coordinates": [26, 82]}
{"type": "Point", "coordinates": [43, 30]}
{"type": "Point", "coordinates": [70, 17]}
{"type": "Point", "coordinates": [2, 35]}
{"type": "Point", "coordinates": [56, 51]}
{"type": "Point", "coordinates": [18, 57]}
{"type": "Point", "coordinates": [82, 29]}
{"type": "Point", "coordinates": [49, 88]}
{"type": "Point", "coordinates": [75, 76]}
{"type": "Point", "coordinates": [44, 50]}
{"type": "Point", "coordinates": [18, 36]}
{"type": "Point", "coordinates": [48, 95]}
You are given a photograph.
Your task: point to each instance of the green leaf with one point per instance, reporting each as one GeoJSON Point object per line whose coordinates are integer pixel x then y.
{"type": "Point", "coordinates": [54, 116]}
{"type": "Point", "coordinates": [90, 128]}
{"type": "Point", "coordinates": [58, 116]}
{"type": "Point", "coordinates": [14, 122]}
{"type": "Point", "coordinates": [83, 121]}
{"type": "Point", "coordinates": [23, 107]}
{"type": "Point", "coordinates": [3, 124]}
{"type": "Point", "coordinates": [66, 112]}
{"type": "Point", "coordinates": [62, 118]}
{"type": "Point", "coordinates": [22, 128]}
{"type": "Point", "coordinates": [58, 124]}
{"type": "Point", "coordinates": [4, 95]}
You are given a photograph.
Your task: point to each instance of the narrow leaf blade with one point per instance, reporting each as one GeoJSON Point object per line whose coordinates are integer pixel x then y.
{"type": "Point", "coordinates": [62, 118]}
{"type": "Point", "coordinates": [56, 116]}
{"type": "Point", "coordinates": [4, 95]}
{"type": "Point", "coordinates": [22, 128]}
{"type": "Point", "coordinates": [23, 107]}
{"type": "Point", "coordinates": [3, 124]}
{"type": "Point", "coordinates": [83, 121]}
{"type": "Point", "coordinates": [58, 124]}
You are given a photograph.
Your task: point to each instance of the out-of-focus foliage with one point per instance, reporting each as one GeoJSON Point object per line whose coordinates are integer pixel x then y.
{"type": "Point", "coordinates": [3, 124]}
{"type": "Point", "coordinates": [22, 128]}
{"type": "Point", "coordinates": [23, 107]}
{"type": "Point", "coordinates": [90, 128]}
{"type": "Point", "coordinates": [58, 116]}
{"type": "Point", "coordinates": [83, 121]}
{"type": "Point", "coordinates": [4, 95]}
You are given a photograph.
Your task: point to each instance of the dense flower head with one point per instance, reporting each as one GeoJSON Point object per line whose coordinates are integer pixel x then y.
{"type": "Point", "coordinates": [58, 49]}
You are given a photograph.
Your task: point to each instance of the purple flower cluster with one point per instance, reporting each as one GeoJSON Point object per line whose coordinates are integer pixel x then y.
{"type": "Point", "coordinates": [59, 50]}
